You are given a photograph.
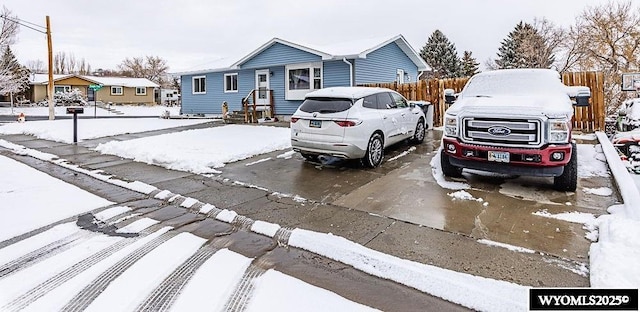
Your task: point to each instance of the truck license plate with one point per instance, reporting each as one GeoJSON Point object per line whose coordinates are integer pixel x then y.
{"type": "Point", "coordinates": [315, 123]}
{"type": "Point", "coordinates": [498, 156]}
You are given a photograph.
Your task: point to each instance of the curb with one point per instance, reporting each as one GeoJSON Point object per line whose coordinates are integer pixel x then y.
{"type": "Point", "coordinates": [625, 183]}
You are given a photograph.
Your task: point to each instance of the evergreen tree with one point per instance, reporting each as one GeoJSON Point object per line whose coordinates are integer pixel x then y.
{"type": "Point", "coordinates": [14, 77]}
{"type": "Point", "coordinates": [524, 47]}
{"type": "Point", "coordinates": [468, 65]}
{"type": "Point", "coordinates": [441, 56]}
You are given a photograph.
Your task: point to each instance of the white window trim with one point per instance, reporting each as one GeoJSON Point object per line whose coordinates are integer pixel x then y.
{"type": "Point", "coordinates": [115, 93]}
{"type": "Point", "coordinates": [143, 88]}
{"type": "Point", "coordinates": [67, 88]}
{"type": "Point", "coordinates": [296, 95]}
{"type": "Point", "coordinates": [400, 75]}
{"type": "Point", "coordinates": [224, 82]}
{"type": "Point", "coordinates": [193, 84]}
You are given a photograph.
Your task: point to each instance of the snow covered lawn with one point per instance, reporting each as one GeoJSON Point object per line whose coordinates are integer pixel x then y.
{"type": "Point", "coordinates": [202, 150]}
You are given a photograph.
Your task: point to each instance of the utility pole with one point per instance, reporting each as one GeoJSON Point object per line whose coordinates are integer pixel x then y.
{"type": "Point", "coordinates": [50, 85]}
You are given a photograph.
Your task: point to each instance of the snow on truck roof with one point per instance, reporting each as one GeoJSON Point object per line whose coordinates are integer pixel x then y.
{"type": "Point", "coordinates": [515, 81]}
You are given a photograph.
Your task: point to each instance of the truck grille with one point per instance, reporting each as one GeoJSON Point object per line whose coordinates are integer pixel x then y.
{"type": "Point", "coordinates": [502, 132]}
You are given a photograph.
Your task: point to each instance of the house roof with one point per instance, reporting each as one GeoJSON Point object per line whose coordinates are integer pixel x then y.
{"type": "Point", "coordinates": [352, 49]}
{"type": "Point", "coordinates": [105, 81]}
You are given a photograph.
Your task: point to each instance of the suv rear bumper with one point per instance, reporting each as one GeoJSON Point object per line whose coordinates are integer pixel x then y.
{"type": "Point", "coordinates": [530, 162]}
{"type": "Point", "coordinates": [341, 150]}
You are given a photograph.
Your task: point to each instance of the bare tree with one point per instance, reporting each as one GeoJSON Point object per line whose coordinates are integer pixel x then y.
{"type": "Point", "coordinates": [59, 63]}
{"type": "Point", "coordinates": [607, 38]}
{"type": "Point", "coordinates": [36, 66]}
{"type": "Point", "coordinates": [82, 67]}
{"type": "Point", "coordinates": [9, 28]}
{"type": "Point", "coordinates": [153, 68]}
{"type": "Point", "coordinates": [71, 64]}
{"type": "Point", "coordinates": [554, 38]}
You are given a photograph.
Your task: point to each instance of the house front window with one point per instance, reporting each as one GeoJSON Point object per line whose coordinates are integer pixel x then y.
{"type": "Point", "coordinates": [302, 79]}
{"type": "Point", "coordinates": [116, 90]}
{"type": "Point", "coordinates": [62, 89]}
{"type": "Point", "coordinates": [141, 91]}
{"type": "Point", "coordinates": [199, 85]}
{"type": "Point", "coordinates": [231, 82]}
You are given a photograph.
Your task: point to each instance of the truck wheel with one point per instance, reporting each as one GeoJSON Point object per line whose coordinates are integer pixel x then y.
{"type": "Point", "coordinates": [375, 151]}
{"type": "Point", "coordinates": [568, 180]}
{"type": "Point", "coordinates": [448, 169]}
{"type": "Point", "coordinates": [418, 136]}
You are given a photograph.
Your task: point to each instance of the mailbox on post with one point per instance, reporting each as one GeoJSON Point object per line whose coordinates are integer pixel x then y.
{"type": "Point", "coordinates": [75, 111]}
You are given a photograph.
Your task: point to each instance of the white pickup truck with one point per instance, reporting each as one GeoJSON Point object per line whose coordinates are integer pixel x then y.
{"type": "Point", "coordinates": [513, 121]}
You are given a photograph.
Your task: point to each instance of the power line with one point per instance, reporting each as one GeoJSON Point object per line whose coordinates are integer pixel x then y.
{"type": "Point", "coordinates": [30, 23]}
{"type": "Point", "coordinates": [21, 24]}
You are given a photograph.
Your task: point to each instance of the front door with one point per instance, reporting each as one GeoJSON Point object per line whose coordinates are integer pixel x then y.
{"type": "Point", "coordinates": [262, 87]}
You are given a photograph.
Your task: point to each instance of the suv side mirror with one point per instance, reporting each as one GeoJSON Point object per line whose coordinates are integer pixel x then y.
{"type": "Point", "coordinates": [449, 96]}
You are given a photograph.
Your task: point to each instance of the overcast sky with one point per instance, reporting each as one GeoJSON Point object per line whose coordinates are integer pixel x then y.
{"type": "Point", "coordinates": [193, 35]}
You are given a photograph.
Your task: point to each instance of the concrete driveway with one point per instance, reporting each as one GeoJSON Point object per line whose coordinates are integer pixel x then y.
{"type": "Point", "coordinates": [403, 188]}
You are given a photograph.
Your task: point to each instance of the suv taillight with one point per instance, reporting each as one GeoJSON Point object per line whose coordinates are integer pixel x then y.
{"type": "Point", "coordinates": [347, 123]}
{"type": "Point", "coordinates": [294, 119]}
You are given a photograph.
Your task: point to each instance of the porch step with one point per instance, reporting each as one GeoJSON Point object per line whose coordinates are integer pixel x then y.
{"type": "Point", "coordinates": [108, 108]}
{"type": "Point", "coordinates": [235, 117]}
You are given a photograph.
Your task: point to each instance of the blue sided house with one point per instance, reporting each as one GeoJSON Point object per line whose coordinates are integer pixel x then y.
{"type": "Point", "coordinates": [275, 77]}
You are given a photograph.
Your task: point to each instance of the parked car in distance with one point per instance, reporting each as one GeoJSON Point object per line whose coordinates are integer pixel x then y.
{"type": "Point", "coordinates": [354, 123]}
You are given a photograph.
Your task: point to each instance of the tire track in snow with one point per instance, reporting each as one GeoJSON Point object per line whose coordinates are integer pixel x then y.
{"type": "Point", "coordinates": [41, 290]}
{"type": "Point", "coordinates": [244, 290]}
{"type": "Point", "coordinates": [45, 252]}
{"type": "Point", "coordinates": [84, 298]}
{"type": "Point", "coordinates": [165, 294]}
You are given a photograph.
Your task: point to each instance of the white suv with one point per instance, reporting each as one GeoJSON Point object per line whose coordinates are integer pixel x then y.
{"type": "Point", "coordinates": [354, 123]}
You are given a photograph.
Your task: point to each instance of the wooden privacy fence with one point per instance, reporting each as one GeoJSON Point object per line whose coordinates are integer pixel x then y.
{"type": "Point", "coordinates": [586, 119]}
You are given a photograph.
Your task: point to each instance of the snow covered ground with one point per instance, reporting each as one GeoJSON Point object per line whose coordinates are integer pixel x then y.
{"type": "Point", "coordinates": [62, 130]}
{"type": "Point", "coordinates": [613, 257]}
{"type": "Point", "coordinates": [127, 110]}
{"type": "Point", "coordinates": [615, 250]}
{"type": "Point", "coordinates": [471, 291]}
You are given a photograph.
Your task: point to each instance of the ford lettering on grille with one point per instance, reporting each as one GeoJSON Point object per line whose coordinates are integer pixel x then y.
{"type": "Point", "coordinates": [499, 131]}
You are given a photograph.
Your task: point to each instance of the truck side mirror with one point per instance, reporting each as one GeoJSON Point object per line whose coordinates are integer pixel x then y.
{"type": "Point", "coordinates": [449, 96]}
{"type": "Point", "coordinates": [580, 94]}
{"type": "Point", "coordinates": [582, 101]}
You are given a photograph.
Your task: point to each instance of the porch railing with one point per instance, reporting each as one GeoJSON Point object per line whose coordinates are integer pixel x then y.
{"type": "Point", "coordinates": [251, 108]}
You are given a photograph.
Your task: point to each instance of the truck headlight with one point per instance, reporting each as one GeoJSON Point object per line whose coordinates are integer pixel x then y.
{"type": "Point", "coordinates": [450, 126]}
{"type": "Point", "coordinates": [559, 130]}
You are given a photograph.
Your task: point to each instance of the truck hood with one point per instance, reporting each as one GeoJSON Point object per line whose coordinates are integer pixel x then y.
{"type": "Point", "coordinates": [549, 105]}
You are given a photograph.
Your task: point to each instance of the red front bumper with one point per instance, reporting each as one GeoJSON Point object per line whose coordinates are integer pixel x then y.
{"type": "Point", "coordinates": [518, 156]}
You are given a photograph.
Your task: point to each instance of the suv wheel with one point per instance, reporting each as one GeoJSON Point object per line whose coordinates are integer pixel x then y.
{"type": "Point", "coordinates": [375, 151]}
{"type": "Point", "coordinates": [568, 180]}
{"type": "Point", "coordinates": [448, 169]}
{"type": "Point", "coordinates": [418, 136]}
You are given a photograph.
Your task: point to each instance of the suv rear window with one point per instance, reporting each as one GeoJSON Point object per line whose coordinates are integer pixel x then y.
{"type": "Point", "coordinates": [325, 105]}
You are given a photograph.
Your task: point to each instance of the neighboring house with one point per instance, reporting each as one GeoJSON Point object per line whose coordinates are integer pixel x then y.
{"type": "Point", "coordinates": [119, 90]}
{"type": "Point", "coordinates": [284, 72]}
